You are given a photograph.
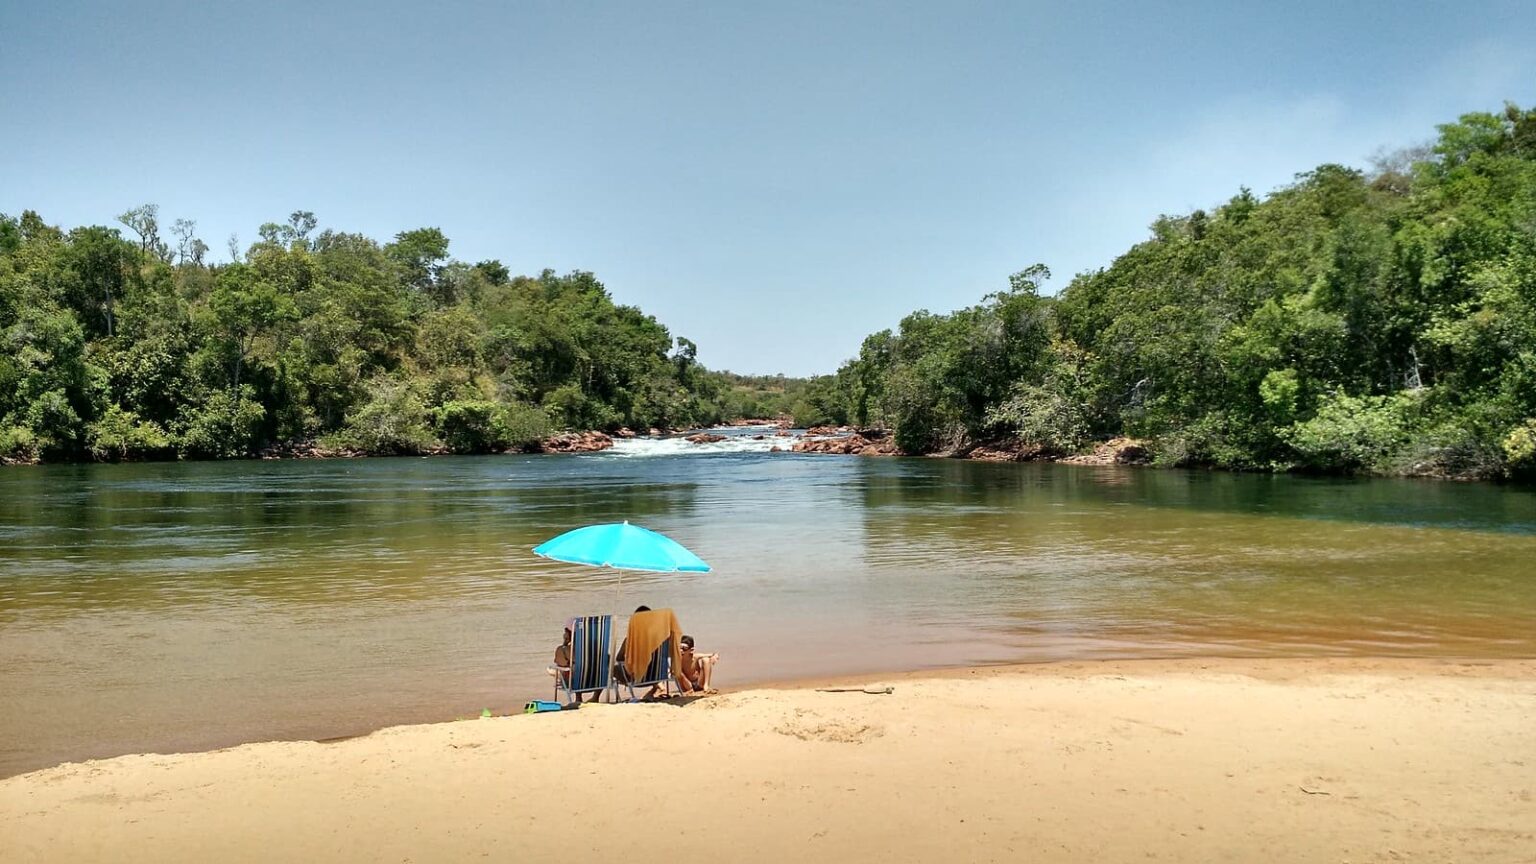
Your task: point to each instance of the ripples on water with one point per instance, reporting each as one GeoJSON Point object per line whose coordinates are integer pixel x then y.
{"type": "Point", "coordinates": [197, 604]}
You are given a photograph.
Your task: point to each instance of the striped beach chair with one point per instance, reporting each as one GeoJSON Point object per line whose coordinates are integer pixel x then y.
{"type": "Point", "coordinates": [658, 673]}
{"type": "Point", "coordinates": [591, 669]}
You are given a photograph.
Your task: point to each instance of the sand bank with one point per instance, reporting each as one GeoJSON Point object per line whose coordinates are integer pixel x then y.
{"type": "Point", "coordinates": [1295, 760]}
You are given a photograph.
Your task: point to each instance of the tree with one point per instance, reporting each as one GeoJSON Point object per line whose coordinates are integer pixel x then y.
{"type": "Point", "coordinates": [245, 308]}
{"type": "Point", "coordinates": [420, 255]}
{"type": "Point", "coordinates": [98, 269]}
{"type": "Point", "coordinates": [189, 249]}
{"type": "Point", "coordinates": [144, 221]}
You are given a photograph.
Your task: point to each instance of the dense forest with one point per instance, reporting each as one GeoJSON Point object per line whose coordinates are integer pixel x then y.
{"type": "Point", "coordinates": [1376, 321]}
{"type": "Point", "coordinates": [125, 343]}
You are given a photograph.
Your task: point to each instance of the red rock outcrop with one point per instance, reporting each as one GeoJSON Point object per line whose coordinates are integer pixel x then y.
{"type": "Point", "coordinates": [576, 442]}
{"type": "Point", "coordinates": [848, 445]}
{"type": "Point", "coordinates": [704, 438]}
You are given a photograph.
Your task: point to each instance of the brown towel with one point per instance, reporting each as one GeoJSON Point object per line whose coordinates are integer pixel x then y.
{"type": "Point", "coordinates": [647, 630]}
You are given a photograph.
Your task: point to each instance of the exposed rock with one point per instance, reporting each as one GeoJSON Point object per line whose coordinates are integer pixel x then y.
{"type": "Point", "coordinates": [576, 442]}
{"type": "Point", "coordinates": [626, 432]}
{"type": "Point", "coordinates": [783, 433]}
{"type": "Point", "coordinates": [704, 438]}
{"type": "Point", "coordinates": [883, 447]}
{"type": "Point", "coordinates": [775, 449]}
{"type": "Point", "coordinates": [823, 431]}
{"type": "Point", "coordinates": [759, 437]}
{"type": "Point", "coordinates": [1005, 451]}
{"type": "Point", "coordinates": [1116, 451]}
{"type": "Point", "coordinates": [848, 445]}
{"type": "Point", "coordinates": [653, 432]}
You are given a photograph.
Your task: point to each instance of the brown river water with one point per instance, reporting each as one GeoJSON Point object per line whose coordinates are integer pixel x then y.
{"type": "Point", "coordinates": [168, 607]}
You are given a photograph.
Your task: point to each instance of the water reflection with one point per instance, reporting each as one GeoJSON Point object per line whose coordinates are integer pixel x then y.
{"type": "Point", "coordinates": [151, 536]}
{"type": "Point", "coordinates": [1181, 563]}
{"type": "Point", "coordinates": [200, 604]}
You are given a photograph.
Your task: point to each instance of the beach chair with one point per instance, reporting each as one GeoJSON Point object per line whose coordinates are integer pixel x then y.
{"type": "Point", "coordinates": [591, 669]}
{"type": "Point", "coordinates": [657, 673]}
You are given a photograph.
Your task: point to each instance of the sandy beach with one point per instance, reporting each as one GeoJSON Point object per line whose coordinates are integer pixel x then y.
{"type": "Point", "coordinates": [1294, 760]}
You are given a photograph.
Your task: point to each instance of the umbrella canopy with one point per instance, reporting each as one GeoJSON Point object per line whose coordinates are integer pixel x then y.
{"type": "Point", "coordinates": [622, 546]}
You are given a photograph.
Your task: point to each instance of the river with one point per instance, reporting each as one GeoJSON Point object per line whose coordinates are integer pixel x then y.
{"type": "Point", "coordinates": [186, 606]}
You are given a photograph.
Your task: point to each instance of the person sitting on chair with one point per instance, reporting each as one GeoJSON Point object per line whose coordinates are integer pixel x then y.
{"type": "Point", "coordinates": [563, 658]}
{"type": "Point", "coordinates": [621, 671]}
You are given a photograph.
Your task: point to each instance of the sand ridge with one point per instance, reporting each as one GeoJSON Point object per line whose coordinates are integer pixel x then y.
{"type": "Point", "coordinates": [1298, 760]}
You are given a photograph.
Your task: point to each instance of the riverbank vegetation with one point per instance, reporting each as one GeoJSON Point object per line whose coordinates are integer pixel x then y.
{"type": "Point", "coordinates": [1354, 321]}
{"type": "Point", "coordinates": [126, 342]}
{"type": "Point", "coordinates": [1376, 321]}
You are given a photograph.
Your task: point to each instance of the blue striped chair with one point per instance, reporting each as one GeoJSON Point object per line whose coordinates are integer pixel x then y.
{"type": "Point", "coordinates": [591, 669]}
{"type": "Point", "coordinates": [658, 673]}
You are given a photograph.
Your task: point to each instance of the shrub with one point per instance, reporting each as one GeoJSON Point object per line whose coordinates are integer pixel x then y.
{"type": "Point", "coordinates": [393, 421]}
{"type": "Point", "coordinates": [522, 425]}
{"type": "Point", "coordinates": [225, 426]}
{"type": "Point", "coordinates": [1520, 449]}
{"type": "Point", "coordinates": [1039, 415]}
{"type": "Point", "coordinates": [18, 444]}
{"type": "Point", "coordinates": [121, 435]}
{"type": "Point", "coordinates": [469, 426]}
{"type": "Point", "coordinates": [1352, 433]}
{"type": "Point", "coordinates": [481, 426]}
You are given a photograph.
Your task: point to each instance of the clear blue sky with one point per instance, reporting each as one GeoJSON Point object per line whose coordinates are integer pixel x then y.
{"type": "Point", "coordinates": [773, 180]}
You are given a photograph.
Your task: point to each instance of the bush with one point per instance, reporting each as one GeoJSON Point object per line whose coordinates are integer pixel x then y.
{"type": "Point", "coordinates": [1220, 439]}
{"type": "Point", "coordinates": [480, 426]}
{"type": "Point", "coordinates": [1041, 416]}
{"type": "Point", "coordinates": [1353, 433]}
{"type": "Point", "coordinates": [574, 410]}
{"type": "Point", "coordinates": [225, 426]}
{"type": "Point", "coordinates": [121, 435]}
{"type": "Point", "coordinates": [392, 422]}
{"type": "Point", "coordinates": [469, 426]}
{"type": "Point", "coordinates": [1520, 450]}
{"type": "Point", "coordinates": [1450, 451]}
{"type": "Point", "coordinates": [522, 425]}
{"type": "Point", "coordinates": [54, 423]}
{"type": "Point", "coordinates": [18, 444]}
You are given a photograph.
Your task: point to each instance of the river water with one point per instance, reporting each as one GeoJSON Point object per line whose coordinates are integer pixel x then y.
{"type": "Point", "coordinates": [192, 605]}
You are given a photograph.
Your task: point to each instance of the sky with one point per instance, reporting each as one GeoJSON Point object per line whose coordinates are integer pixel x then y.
{"type": "Point", "coordinates": [772, 180]}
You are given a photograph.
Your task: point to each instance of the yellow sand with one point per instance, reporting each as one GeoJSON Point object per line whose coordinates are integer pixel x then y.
{"type": "Point", "coordinates": [1290, 760]}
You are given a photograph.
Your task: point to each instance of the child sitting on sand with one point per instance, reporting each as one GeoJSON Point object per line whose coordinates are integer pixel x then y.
{"type": "Point", "coordinates": [697, 668]}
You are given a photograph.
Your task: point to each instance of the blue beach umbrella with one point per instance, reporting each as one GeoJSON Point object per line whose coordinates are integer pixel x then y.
{"type": "Point", "coordinates": [622, 546]}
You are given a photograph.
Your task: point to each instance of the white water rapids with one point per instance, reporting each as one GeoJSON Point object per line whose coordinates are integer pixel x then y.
{"type": "Point", "coordinates": [738, 439]}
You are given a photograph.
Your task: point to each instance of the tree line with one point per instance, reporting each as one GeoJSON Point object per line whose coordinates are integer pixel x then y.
{"type": "Point", "coordinates": [1379, 321]}
{"type": "Point", "coordinates": [121, 342]}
